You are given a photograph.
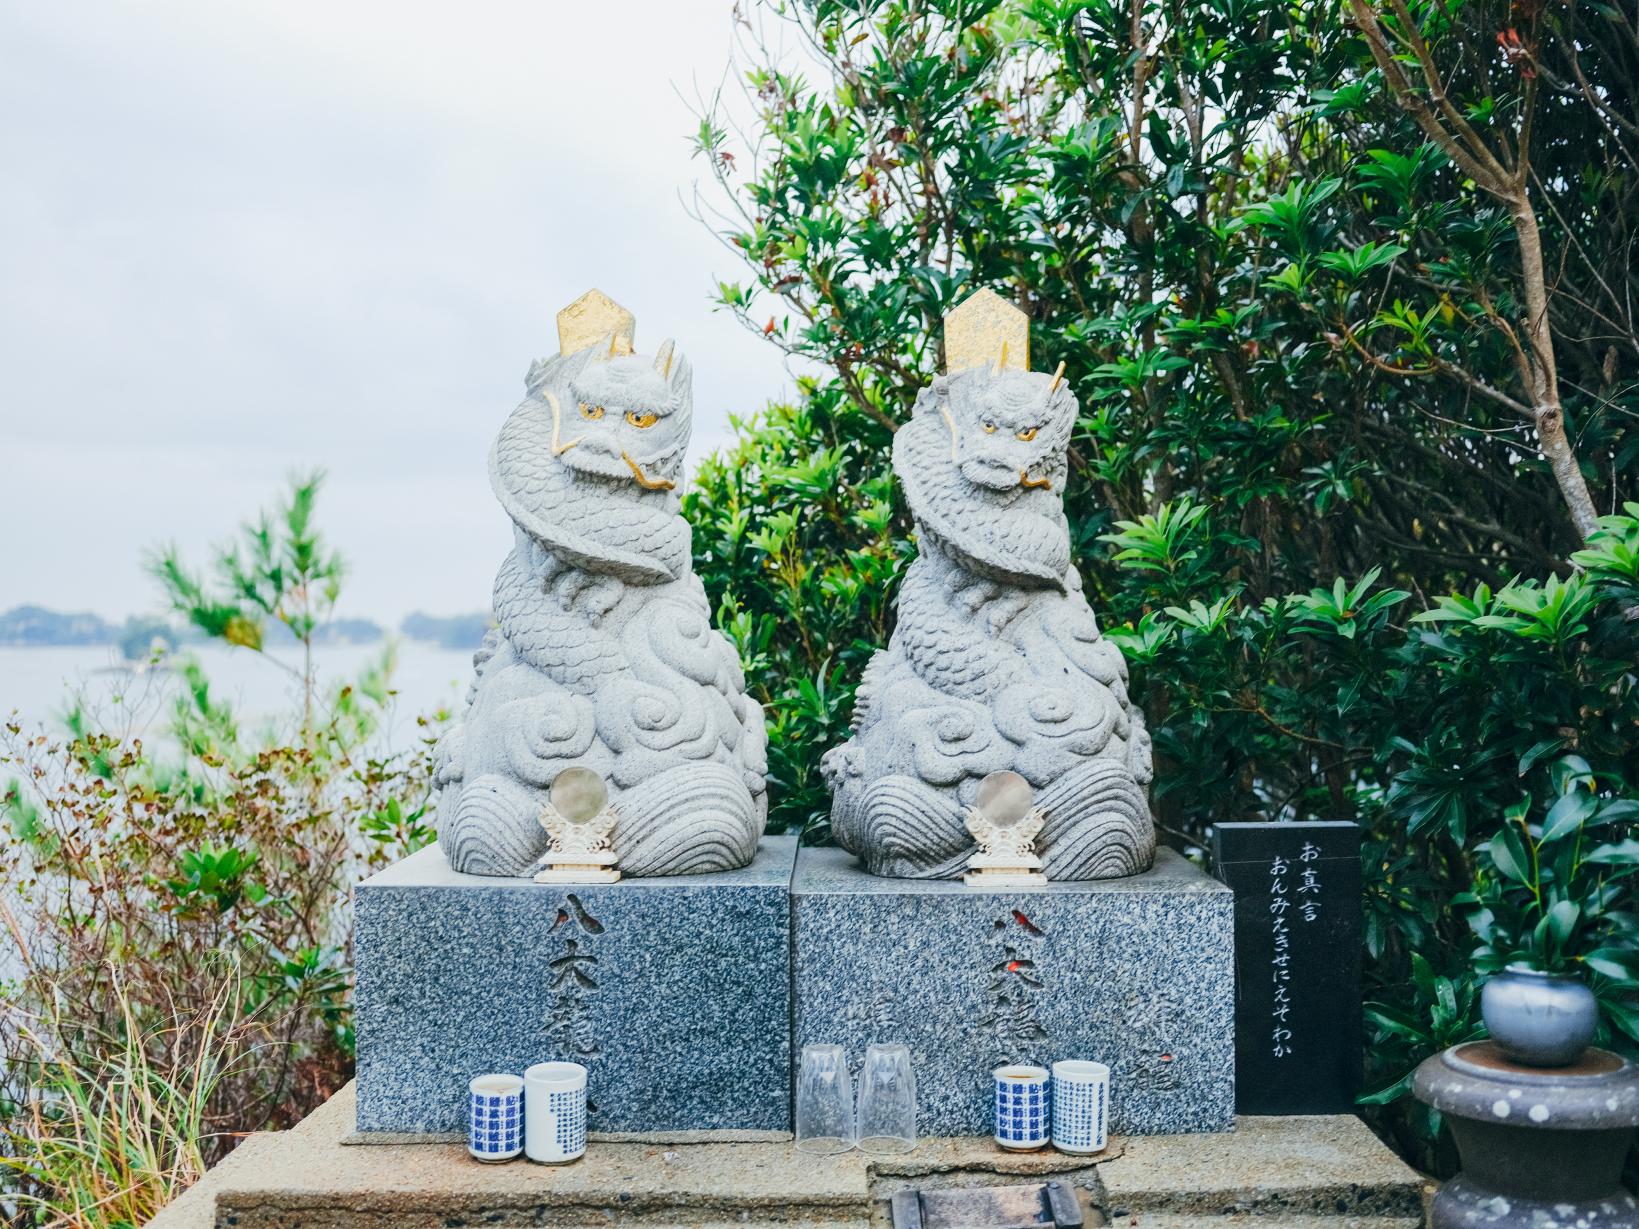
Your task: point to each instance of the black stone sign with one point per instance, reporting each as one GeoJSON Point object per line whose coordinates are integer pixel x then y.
{"type": "Point", "coordinates": [1297, 964]}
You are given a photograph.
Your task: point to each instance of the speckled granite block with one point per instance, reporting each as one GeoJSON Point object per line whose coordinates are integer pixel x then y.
{"type": "Point", "coordinates": [1137, 973]}
{"type": "Point", "coordinates": [675, 993]}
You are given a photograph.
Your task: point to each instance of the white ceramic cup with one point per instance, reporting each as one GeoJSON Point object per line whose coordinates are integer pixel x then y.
{"type": "Point", "coordinates": [1081, 1106]}
{"type": "Point", "coordinates": [1023, 1106]}
{"type": "Point", "coordinates": [495, 1127]}
{"type": "Point", "coordinates": [555, 1112]}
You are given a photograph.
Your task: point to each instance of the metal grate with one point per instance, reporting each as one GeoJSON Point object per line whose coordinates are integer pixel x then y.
{"type": "Point", "coordinates": [989, 1207]}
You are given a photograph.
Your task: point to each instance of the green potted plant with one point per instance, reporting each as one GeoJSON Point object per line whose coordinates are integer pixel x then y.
{"type": "Point", "coordinates": [1557, 940]}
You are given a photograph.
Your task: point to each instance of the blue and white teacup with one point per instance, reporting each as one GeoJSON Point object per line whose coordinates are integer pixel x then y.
{"type": "Point", "coordinates": [1081, 1106]}
{"type": "Point", "coordinates": [555, 1129]}
{"type": "Point", "coordinates": [1023, 1106]}
{"type": "Point", "coordinates": [495, 1117]}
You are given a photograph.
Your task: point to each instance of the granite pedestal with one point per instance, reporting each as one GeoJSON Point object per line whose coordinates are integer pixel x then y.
{"type": "Point", "coordinates": [1137, 973]}
{"type": "Point", "coordinates": [674, 992]}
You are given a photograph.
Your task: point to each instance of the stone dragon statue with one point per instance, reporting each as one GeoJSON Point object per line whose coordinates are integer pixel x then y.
{"type": "Point", "coordinates": [604, 655]}
{"type": "Point", "coordinates": [996, 662]}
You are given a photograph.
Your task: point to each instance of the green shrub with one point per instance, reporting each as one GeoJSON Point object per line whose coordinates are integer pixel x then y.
{"type": "Point", "coordinates": [794, 536]}
{"type": "Point", "coordinates": [1319, 490]}
{"type": "Point", "coordinates": [178, 915]}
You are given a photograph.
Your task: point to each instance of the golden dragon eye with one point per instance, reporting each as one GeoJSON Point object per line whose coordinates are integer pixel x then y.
{"type": "Point", "coordinates": [990, 428]}
{"type": "Point", "coordinates": [1028, 434]}
{"type": "Point", "coordinates": [641, 420]}
{"type": "Point", "coordinates": [590, 411]}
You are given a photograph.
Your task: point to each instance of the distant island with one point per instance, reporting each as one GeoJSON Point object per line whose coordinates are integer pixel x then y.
{"type": "Point", "coordinates": [38, 627]}
{"type": "Point", "coordinates": [452, 632]}
{"type": "Point", "coordinates": [31, 625]}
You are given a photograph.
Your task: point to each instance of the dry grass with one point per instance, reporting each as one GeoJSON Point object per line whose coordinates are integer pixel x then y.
{"type": "Point", "coordinates": [179, 948]}
{"type": "Point", "coordinates": [107, 1137]}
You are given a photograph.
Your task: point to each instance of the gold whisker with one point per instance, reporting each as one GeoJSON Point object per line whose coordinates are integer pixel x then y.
{"type": "Point", "coordinates": [643, 480]}
{"type": "Point", "coordinates": [1034, 484]}
{"type": "Point", "coordinates": [557, 414]}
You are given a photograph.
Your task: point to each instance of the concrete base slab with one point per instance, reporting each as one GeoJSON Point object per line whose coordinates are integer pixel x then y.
{"type": "Point", "coordinates": [1330, 1166]}
{"type": "Point", "coordinates": [1298, 1173]}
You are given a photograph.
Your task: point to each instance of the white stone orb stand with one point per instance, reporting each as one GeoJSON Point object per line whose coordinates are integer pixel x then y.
{"type": "Point", "coordinates": [580, 825]}
{"type": "Point", "coordinates": [1005, 823]}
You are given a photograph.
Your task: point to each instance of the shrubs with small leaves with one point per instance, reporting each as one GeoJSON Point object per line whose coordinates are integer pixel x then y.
{"type": "Point", "coordinates": [796, 538]}
{"type": "Point", "coordinates": [177, 908]}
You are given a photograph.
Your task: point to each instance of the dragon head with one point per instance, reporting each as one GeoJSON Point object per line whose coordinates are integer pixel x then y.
{"type": "Point", "coordinates": [982, 460]}
{"type": "Point", "coordinates": [623, 416]}
{"type": "Point", "coordinates": [1007, 428]}
{"type": "Point", "coordinates": [588, 464]}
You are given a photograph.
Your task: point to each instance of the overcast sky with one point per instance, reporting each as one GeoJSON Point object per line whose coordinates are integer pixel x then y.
{"type": "Point", "coordinates": [240, 239]}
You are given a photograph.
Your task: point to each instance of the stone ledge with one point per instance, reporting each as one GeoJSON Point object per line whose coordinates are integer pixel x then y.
{"type": "Point", "coordinates": [968, 1154]}
{"type": "Point", "coordinates": [1332, 1166]}
{"type": "Point", "coordinates": [1287, 1173]}
{"type": "Point", "coordinates": [373, 1138]}
{"type": "Point", "coordinates": [1260, 1220]}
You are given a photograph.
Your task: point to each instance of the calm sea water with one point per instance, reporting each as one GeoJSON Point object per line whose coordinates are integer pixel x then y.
{"type": "Point", "coordinates": [39, 682]}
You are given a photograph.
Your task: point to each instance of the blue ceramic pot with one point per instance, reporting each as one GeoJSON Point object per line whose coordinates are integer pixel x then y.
{"type": "Point", "coordinates": [1539, 1019]}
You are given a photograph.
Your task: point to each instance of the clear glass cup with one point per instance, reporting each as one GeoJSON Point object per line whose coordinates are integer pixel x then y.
{"type": "Point", "coordinates": [887, 1100]}
{"type": "Point", "coordinates": [825, 1101]}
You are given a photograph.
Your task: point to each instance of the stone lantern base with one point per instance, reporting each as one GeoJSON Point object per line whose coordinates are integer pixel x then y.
{"type": "Point", "coordinates": [1540, 1147]}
